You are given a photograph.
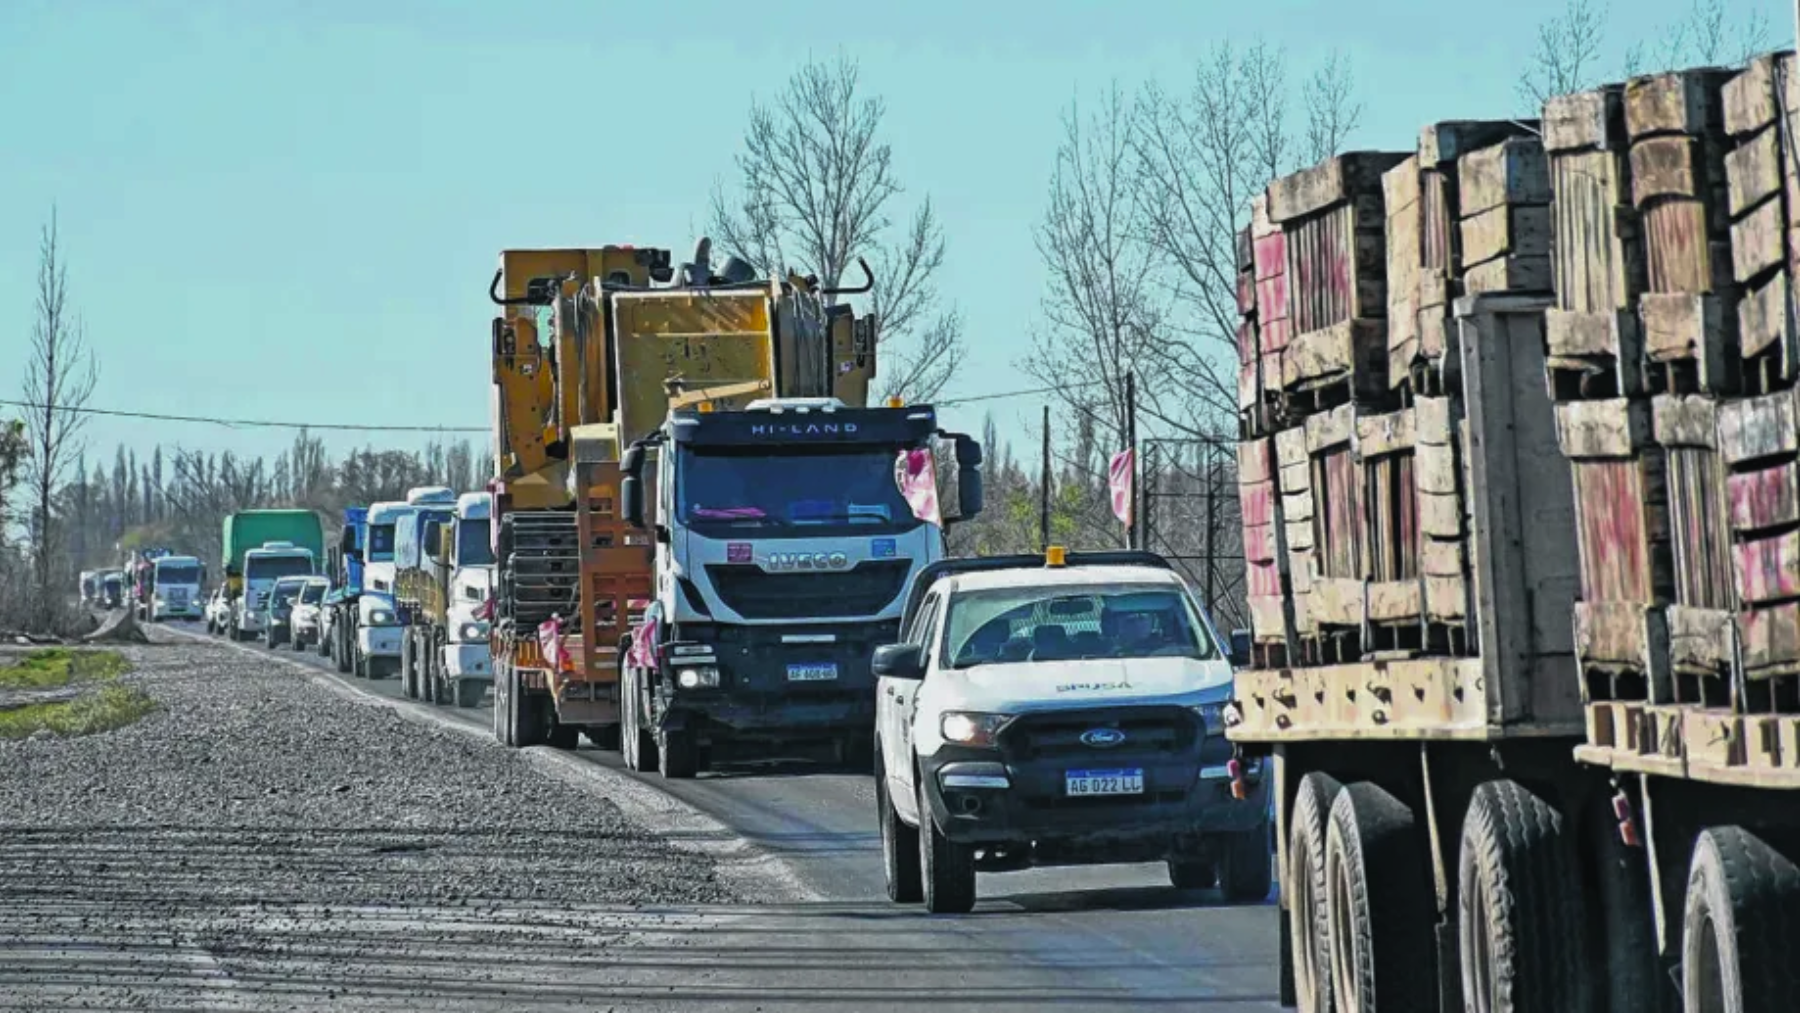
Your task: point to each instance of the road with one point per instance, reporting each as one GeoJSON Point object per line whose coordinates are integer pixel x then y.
{"type": "Point", "coordinates": [1101, 938]}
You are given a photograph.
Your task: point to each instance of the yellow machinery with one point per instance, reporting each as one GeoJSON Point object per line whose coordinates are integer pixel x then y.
{"type": "Point", "coordinates": [591, 350]}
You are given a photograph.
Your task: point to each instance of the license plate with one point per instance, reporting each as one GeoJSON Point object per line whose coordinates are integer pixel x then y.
{"type": "Point", "coordinates": [1129, 781]}
{"type": "Point", "coordinates": [812, 673]}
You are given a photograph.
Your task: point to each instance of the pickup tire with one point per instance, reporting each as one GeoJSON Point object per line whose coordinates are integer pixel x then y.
{"type": "Point", "coordinates": [1303, 880]}
{"type": "Point", "coordinates": [899, 845]}
{"type": "Point", "coordinates": [1247, 873]}
{"type": "Point", "coordinates": [1520, 917]}
{"type": "Point", "coordinates": [1740, 926]}
{"type": "Point", "coordinates": [946, 868]}
{"type": "Point", "coordinates": [1381, 905]}
{"type": "Point", "coordinates": [678, 754]}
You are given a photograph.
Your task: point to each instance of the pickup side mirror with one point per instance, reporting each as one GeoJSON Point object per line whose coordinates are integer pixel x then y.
{"type": "Point", "coordinates": [899, 661]}
{"type": "Point", "coordinates": [969, 499]}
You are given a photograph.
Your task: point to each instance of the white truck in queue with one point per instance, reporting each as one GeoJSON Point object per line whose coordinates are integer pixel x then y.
{"type": "Point", "coordinates": [379, 633]}
{"type": "Point", "coordinates": [1060, 710]}
{"type": "Point", "coordinates": [445, 575]}
{"type": "Point", "coordinates": [175, 588]}
{"type": "Point", "coordinates": [262, 568]}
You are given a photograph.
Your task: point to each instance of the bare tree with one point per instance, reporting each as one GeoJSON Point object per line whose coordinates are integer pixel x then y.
{"type": "Point", "coordinates": [59, 380]}
{"type": "Point", "coordinates": [1332, 110]}
{"type": "Point", "coordinates": [1567, 54]}
{"type": "Point", "coordinates": [1705, 36]}
{"type": "Point", "coordinates": [816, 191]}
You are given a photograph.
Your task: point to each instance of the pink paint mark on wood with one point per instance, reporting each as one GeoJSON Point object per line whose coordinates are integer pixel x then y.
{"type": "Point", "coordinates": [1270, 254]}
{"type": "Point", "coordinates": [1246, 340]}
{"type": "Point", "coordinates": [1763, 499]}
{"type": "Point", "coordinates": [1768, 569]}
{"type": "Point", "coordinates": [1609, 510]}
{"type": "Point", "coordinates": [1274, 337]}
{"type": "Point", "coordinates": [1246, 291]}
{"type": "Point", "coordinates": [1264, 579]}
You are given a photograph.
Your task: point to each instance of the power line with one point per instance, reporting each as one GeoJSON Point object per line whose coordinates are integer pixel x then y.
{"type": "Point", "coordinates": [247, 423]}
{"type": "Point", "coordinates": [971, 399]}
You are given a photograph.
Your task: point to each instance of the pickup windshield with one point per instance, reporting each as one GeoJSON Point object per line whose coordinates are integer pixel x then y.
{"type": "Point", "coordinates": [791, 490]}
{"type": "Point", "coordinates": [473, 543]}
{"type": "Point", "coordinates": [381, 542]}
{"type": "Point", "coordinates": [1024, 624]}
{"type": "Point", "coordinates": [312, 594]}
{"type": "Point", "coordinates": [174, 575]}
{"type": "Point", "coordinates": [266, 567]}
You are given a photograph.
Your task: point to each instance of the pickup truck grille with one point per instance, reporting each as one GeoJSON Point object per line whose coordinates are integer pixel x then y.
{"type": "Point", "coordinates": [863, 590]}
{"type": "Point", "coordinates": [1054, 735]}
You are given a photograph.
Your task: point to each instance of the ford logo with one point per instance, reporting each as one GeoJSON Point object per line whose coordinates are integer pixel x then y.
{"type": "Point", "coordinates": [1102, 738]}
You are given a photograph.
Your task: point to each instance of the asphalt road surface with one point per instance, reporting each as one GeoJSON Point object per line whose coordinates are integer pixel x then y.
{"type": "Point", "coordinates": [1095, 938]}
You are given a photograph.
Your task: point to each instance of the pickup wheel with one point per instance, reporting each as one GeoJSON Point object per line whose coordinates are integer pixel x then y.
{"type": "Point", "coordinates": [678, 754]}
{"type": "Point", "coordinates": [1248, 871]}
{"type": "Point", "coordinates": [1380, 903]}
{"type": "Point", "coordinates": [1303, 880]}
{"type": "Point", "coordinates": [1520, 919]}
{"type": "Point", "coordinates": [1192, 874]}
{"type": "Point", "coordinates": [899, 846]}
{"type": "Point", "coordinates": [946, 868]}
{"type": "Point", "coordinates": [1740, 926]}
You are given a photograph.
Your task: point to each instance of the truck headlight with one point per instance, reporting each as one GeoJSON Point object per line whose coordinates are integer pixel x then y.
{"type": "Point", "coordinates": [473, 631]}
{"type": "Point", "coordinates": [381, 617]}
{"type": "Point", "coordinates": [971, 729]}
{"type": "Point", "coordinates": [698, 677]}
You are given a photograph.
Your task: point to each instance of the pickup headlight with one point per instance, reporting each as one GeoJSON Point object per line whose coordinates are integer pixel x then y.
{"type": "Point", "coordinates": [381, 617]}
{"type": "Point", "coordinates": [698, 677]}
{"type": "Point", "coordinates": [473, 631]}
{"type": "Point", "coordinates": [1212, 715]}
{"type": "Point", "coordinates": [969, 729]}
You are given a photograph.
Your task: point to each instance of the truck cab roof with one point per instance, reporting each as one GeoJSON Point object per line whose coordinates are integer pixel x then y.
{"type": "Point", "coordinates": [430, 494]}
{"type": "Point", "coordinates": [475, 506]}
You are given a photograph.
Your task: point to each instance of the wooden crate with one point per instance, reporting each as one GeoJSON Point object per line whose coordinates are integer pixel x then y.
{"type": "Point", "coordinates": [1702, 635]}
{"type": "Point", "coordinates": [1294, 485]}
{"type": "Point", "coordinates": [1332, 220]}
{"type": "Point", "coordinates": [1597, 254]}
{"type": "Point", "coordinates": [1503, 207]}
{"type": "Point", "coordinates": [1622, 523]}
{"type": "Point", "coordinates": [1763, 199]}
{"type": "Point", "coordinates": [1265, 555]}
{"type": "Point", "coordinates": [1759, 441]}
{"type": "Point", "coordinates": [1340, 554]}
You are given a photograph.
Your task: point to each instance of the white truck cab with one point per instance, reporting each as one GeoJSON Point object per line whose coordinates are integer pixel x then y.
{"type": "Point", "coordinates": [262, 568]}
{"type": "Point", "coordinates": [175, 589]}
{"type": "Point", "coordinates": [378, 629]}
{"type": "Point", "coordinates": [1060, 710]}
{"type": "Point", "coordinates": [467, 653]}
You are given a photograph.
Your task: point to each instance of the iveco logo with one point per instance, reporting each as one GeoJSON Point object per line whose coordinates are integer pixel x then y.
{"type": "Point", "coordinates": [808, 561]}
{"type": "Point", "coordinates": [1102, 738]}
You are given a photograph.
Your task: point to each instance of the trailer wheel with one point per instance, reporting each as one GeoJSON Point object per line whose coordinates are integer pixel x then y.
{"type": "Point", "coordinates": [1304, 882]}
{"type": "Point", "coordinates": [1740, 927]}
{"type": "Point", "coordinates": [678, 753]}
{"type": "Point", "coordinates": [1520, 918]}
{"type": "Point", "coordinates": [1380, 906]}
{"type": "Point", "coordinates": [899, 845]}
{"type": "Point", "coordinates": [946, 868]}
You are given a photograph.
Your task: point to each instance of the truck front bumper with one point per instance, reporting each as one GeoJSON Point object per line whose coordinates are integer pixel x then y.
{"type": "Point", "coordinates": [777, 683]}
{"type": "Point", "coordinates": [978, 797]}
{"type": "Point", "coordinates": [164, 610]}
{"type": "Point", "coordinates": [469, 661]}
{"type": "Point", "coordinates": [379, 641]}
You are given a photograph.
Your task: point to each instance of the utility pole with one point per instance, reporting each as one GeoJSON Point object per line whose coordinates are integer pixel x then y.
{"type": "Point", "coordinates": [1044, 488]}
{"type": "Point", "coordinates": [1131, 530]}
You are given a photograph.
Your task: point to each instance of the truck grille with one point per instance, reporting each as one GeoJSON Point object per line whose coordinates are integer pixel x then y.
{"type": "Point", "coordinates": [1166, 730]}
{"type": "Point", "coordinates": [864, 590]}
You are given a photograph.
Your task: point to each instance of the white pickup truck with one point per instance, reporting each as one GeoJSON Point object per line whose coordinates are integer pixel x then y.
{"type": "Point", "coordinates": [1060, 710]}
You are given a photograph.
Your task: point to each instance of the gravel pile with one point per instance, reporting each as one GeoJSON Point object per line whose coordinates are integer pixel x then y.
{"type": "Point", "coordinates": [256, 807]}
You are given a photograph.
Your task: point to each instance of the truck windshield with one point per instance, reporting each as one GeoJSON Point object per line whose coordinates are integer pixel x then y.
{"type": "Point", "coordinates": [794, 490]}
{"type": "Point", "coordinates": [381, 543]}
{"type": "Point", "coordinates": [268, 567]}
{"type": "Point", "coordinates": [473, 543]}
{"type": "Point", "coordinates": [1022, 624]}
{"type": "Point", "coordinates": [186, 574]}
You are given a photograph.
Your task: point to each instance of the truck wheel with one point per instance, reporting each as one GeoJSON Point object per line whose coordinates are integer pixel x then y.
{"type": "Point", "coordinates": [636, 739]}
{"type": "Point", "coordinates": [1520, 919]}
{"type": "Point", "coordinates": [1304, 882]}
{"type": "Point", "coordinates": [561, 736]}
{"type": "Point", "coordinates": [1380, 905]}
{"type": "Point", "coordinates": [534, 717]}
{"type": "Point", "coordinates": [678, 754]}
{"type": "Point", "coordinates": [605, 737]}
{"type": "Point", "coordinates": [504, 703]}
{"type": "Point", "coordinates": [1740, 926]}
{"type": "Point", "coordinates": [899, 846]}
{"type": "Point", "coordinates": [946, 868]}
{"type": "Point", "coordinates": [1192, 874]}
{"type": "Point", "coordinates": [409, 670]}
{"type": "Point", "coordinates": [1248, 871]}
{"type": "Point", "coordinates": [469, 692]}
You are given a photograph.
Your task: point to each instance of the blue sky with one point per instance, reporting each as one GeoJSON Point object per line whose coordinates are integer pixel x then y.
{"type": "Point", "coordinates": [291, 210]}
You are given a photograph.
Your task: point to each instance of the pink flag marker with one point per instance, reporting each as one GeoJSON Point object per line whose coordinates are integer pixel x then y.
{"type": "Point", "coordinates": [916, 476]}
{"type": "Point", "coordinates": [643, 646]}
{"type": "Point", "coordinates": [1118, 480]}
{"type": "Point", "coordinates": [550, 642]}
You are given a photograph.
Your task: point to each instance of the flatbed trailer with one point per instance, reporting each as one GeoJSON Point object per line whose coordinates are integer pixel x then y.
{"type": "Point", "coordinates": [1526, 611]}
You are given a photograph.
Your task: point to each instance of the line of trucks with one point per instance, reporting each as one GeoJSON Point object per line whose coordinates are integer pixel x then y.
{"type": "Point", "coordinates": [156, 584]}
{"type": "Point", "coordinates": [1520, 486]}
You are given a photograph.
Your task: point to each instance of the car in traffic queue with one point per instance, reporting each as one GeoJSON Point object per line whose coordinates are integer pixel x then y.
{"type": "Point", "coordinates": [306, 625]}
{"type": "Point", "coordinates": [278, 610]}
{"type": "Point", "coordinates": [1065, 709]}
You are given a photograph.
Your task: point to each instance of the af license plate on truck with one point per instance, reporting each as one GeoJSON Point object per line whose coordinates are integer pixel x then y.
{"type": "Point", "coordinates": [1127, 781]}
{"type": "Point", "coordinates": [812, 673]}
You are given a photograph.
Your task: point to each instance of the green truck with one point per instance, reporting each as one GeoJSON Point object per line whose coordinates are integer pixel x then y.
{"type": "Point", "coordinates": [260, 547]}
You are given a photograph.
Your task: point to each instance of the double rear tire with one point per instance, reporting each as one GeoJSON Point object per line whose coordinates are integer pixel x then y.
{"type": "Point", "coordinates": [1740, 926]}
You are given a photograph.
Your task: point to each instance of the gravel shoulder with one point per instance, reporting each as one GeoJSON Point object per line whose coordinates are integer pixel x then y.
{"type": "Point", "coordinates": [261, 842]}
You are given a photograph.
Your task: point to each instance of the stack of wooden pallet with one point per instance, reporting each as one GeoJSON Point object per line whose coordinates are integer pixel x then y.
{"type": "Point", "coordinates": [1355, 521]}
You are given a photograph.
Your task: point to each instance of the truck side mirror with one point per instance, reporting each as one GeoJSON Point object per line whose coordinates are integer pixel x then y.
{"type": "Point", "coordinates": [631, 497]}
{"type": "Point", "coordinates": [434, 540]}
{"type": "Point", "coordinates": [631, 462]}
{"type": "Point", "coordinates": [969, 499]}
